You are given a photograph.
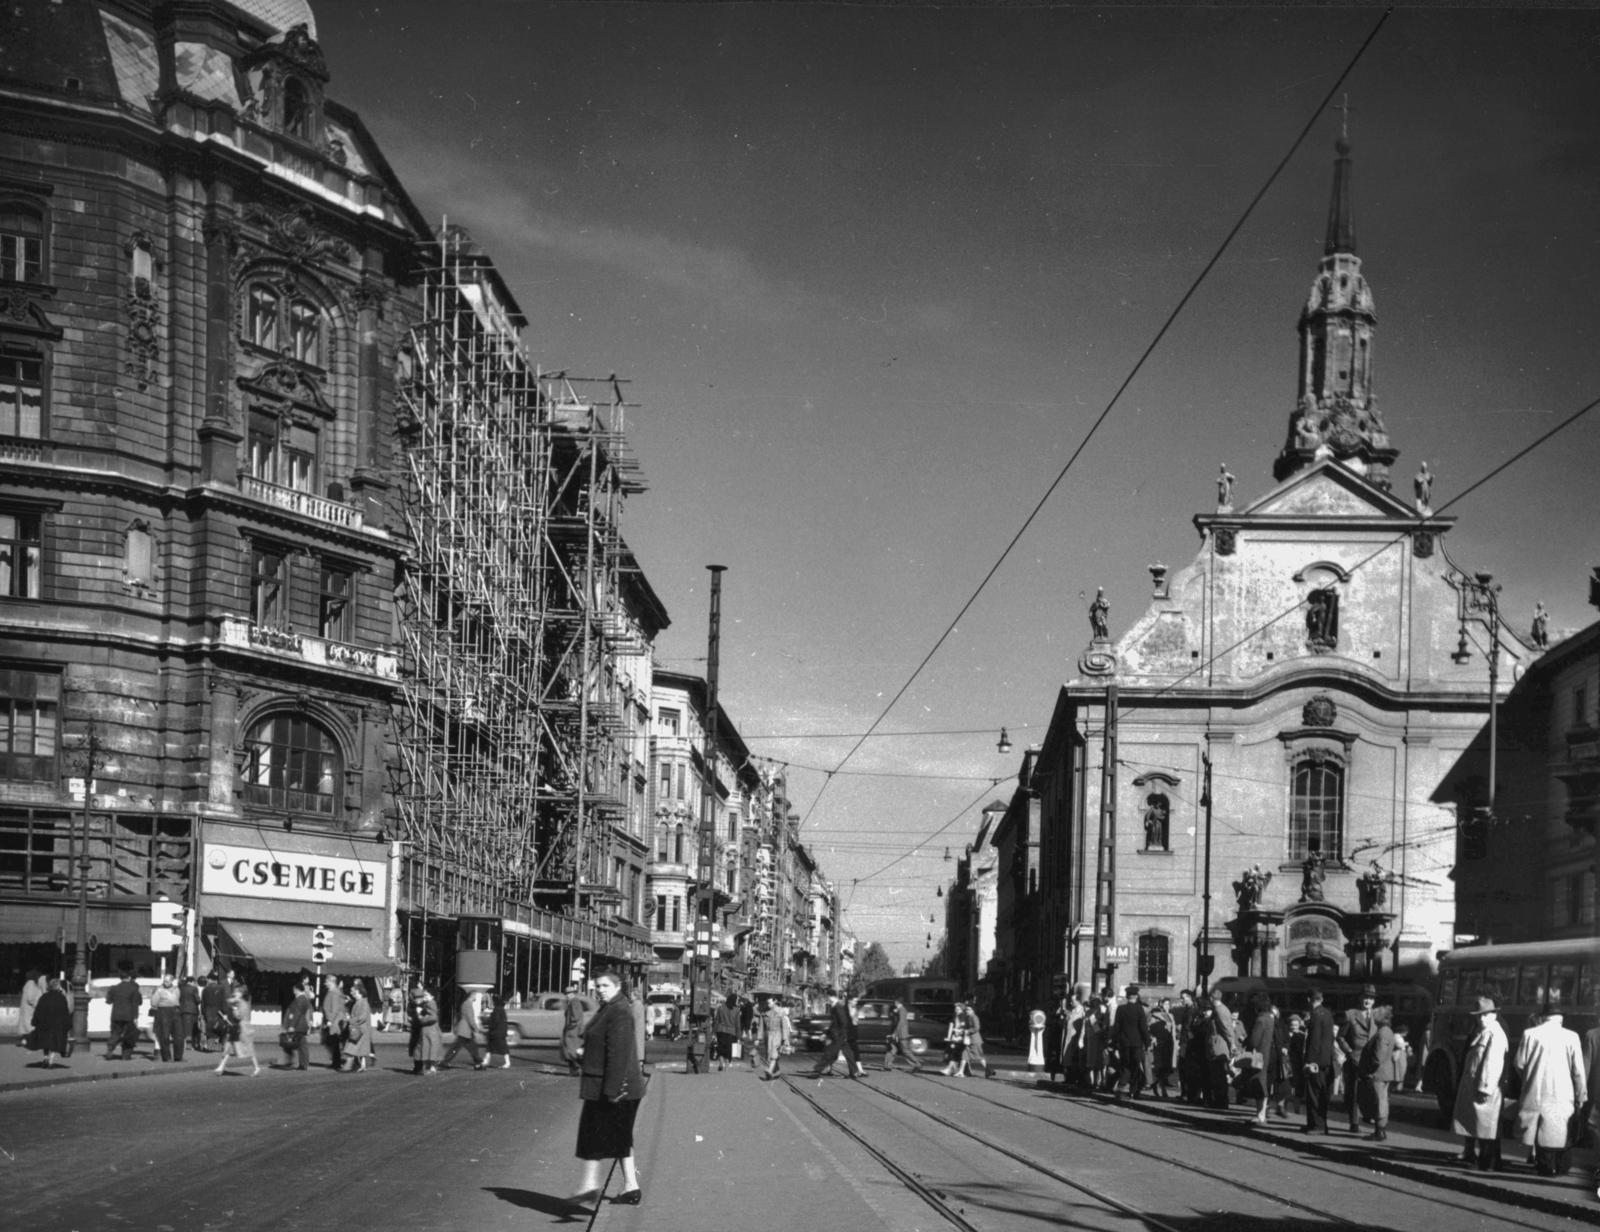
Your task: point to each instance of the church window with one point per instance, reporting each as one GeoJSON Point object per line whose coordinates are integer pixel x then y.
{"type": "Point", "coordinates": [1316, 812]}
{"type": "Point", "coordinates": [1155, 952]}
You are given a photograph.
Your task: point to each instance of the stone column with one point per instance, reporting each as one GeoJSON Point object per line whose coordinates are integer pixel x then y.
{"type": "Point", "coordinates": [219, 435]}
{"type": "Point", "coordinates": [221, 788]}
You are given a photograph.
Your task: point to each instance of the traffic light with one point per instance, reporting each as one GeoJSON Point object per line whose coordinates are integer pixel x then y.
{"type": "Point", "coordinates": [321, 945]}
{"type": "Point", "coordinates": [166, 924]}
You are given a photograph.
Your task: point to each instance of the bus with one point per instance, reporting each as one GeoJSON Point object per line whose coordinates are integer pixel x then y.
{"type": "Point", "coordinates": [1524, 976]}
{"type": "Point", "coordinates": [924, 997]}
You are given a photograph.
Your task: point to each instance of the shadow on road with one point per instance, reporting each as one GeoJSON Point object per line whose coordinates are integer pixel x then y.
{"type": "Point", "coordinates": [545, 1204]}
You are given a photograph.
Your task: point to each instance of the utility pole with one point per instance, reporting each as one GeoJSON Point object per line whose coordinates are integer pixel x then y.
{"type": "Point", "coordinates": [1480, 600]}
{"type": "Point", "coordinates": [706, 855]}
{"type": "Point", "coordinates": [80, 958]}
{"type": "Point", "coordinates": [1105, 856]}
{"type": "Point", "coordinates": [1205, 919]}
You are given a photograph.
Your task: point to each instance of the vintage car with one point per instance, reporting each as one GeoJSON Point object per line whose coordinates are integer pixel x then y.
{"type": "Point", "coordinates": [538, 1020]}
{"type": "Point", "coordinates": [872, 1028]}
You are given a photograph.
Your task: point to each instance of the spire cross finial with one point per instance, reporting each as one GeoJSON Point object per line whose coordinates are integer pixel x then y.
{"type": "Point", "coordinates": [1344, 125]}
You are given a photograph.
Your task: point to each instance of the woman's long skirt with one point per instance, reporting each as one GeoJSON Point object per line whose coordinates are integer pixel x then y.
{"type": "Point", "coordinates": [605, 1130]}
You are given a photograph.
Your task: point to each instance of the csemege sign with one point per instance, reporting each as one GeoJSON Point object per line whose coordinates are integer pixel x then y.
{"type": "Point", "coordinates": [251, 872]}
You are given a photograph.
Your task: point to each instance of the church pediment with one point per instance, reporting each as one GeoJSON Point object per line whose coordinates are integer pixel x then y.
{"type": "Point", "coordinates": [1327, 490]}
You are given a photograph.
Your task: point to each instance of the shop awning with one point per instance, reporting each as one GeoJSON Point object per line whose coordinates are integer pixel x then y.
{"type": "Point", "coordinates": [287, 947]}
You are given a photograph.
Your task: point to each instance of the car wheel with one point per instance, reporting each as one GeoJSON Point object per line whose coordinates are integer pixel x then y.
{"type": "Point", "coordinates": [513, 1037]}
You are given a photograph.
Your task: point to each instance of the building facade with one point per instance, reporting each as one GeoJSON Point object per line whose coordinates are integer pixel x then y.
{"type": "Point", "coordinates": [1318, 667]}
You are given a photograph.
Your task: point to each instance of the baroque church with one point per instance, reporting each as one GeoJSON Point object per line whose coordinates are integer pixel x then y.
{"type": "Point", "coordinates": [1313, 655]}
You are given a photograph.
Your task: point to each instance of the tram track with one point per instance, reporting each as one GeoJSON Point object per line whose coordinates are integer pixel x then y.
{"type": "Point", "coordinates": [934, 1198]}
{"type": "Point", "coordinates": [1286, 1156]}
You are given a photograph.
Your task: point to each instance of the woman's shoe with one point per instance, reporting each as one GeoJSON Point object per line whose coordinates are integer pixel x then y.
{"type": "Point", "coordinates": [631, 1197]}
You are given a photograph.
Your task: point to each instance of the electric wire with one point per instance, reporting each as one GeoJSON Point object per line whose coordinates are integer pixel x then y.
{"type": "Point", "coordinates": [1116, 397]}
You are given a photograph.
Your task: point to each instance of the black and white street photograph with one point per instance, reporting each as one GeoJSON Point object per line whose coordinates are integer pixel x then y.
{"type": "Point", "coordinates": [862, 615]}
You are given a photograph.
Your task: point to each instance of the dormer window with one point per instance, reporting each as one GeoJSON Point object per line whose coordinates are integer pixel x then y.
{"type": "Point", "coordinates": [21, 245]}
{"type": "Point", "coordinates": [296, 110]}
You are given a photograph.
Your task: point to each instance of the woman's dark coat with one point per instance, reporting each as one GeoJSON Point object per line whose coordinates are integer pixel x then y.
{"type": "Point", "coordinates": [52, 1022]}
{"type": "Point", "coordinates": [610, 1055]}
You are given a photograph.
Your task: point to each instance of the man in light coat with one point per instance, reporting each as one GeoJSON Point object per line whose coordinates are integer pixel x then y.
{"type": "Point", "coordinates": [469, 1033]}
{"type": "Point", "coordinates": [772, 1029]}
{"type": "Point", "coordinates": [35, 988]}
{"type": "Point", "coordinates": [1550, 1060]}
{"type": "Point", "coordinates": [1478, 1099]}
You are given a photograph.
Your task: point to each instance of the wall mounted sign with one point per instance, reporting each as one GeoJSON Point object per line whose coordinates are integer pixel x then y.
{"type": "Point", "coordinates": [255, 872]}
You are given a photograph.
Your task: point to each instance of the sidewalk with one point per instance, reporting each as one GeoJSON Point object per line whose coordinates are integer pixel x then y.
{"type": "Point", "coordinates": [709, 1145]}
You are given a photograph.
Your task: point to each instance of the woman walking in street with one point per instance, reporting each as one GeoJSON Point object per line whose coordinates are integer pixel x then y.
{"type": "Point", "coordinates": [611, 1087]}
{"type": "Point", "coordinates": [498, 1028]}
{"type": "Point", "coordinates": [955, 1046]}
{"type": "Point", "coordinates": [52, 1023]}
{"type": "Point", "coordinates": [358, 1028]}
{"type": "Point", "coordinates": [1164, 1047]}
{"type": "Point", "coordinates": [1257, 1079]}
{"type": "Point", "coordinates": [427, 1043]}
{"type": "Point", "coordinates": [239, 1037]}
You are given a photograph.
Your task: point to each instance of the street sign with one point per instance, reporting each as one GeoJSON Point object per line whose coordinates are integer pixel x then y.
{"type": "Point", "coordinates": [1115, 954]}
{"type": "Point", "coordinates": [321, 945]}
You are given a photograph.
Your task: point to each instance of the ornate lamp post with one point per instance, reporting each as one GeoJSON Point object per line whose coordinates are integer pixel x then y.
{"type": "Point", "coordinates": [1480, 602]}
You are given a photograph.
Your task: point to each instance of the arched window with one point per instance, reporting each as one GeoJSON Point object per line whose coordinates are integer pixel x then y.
{"type": "Point", "coordinates": [1316, 810]}
{"type": "Point", "coordinates": [1155, 953]}
{"type": "Point", "coordinates": [287, 325]}
{"type": "Point", "coordinates": [663, 843]}
{"type": "Point", "coordinates": [21, 244]}
{"type": "Point", "coordinates": [296, 110]}
{"type": "Point", "coordinates": [293, 764]}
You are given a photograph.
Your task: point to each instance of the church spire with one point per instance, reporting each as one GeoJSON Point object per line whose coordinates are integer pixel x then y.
{"type": "Point", "coordinates": [1336, 414]}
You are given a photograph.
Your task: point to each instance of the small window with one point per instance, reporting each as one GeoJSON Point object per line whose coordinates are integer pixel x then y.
{"type": "Point", "coordinates": [670, 720]}
{"type": "Point", "coordinates": [268, 597]}
{"type": "Point", "coordinates": [29, 712]}
{"type": "Point", "coordinates": [305, 332]}
{"type": "Point", "coordinates": [335, 612]}
{"type": "Point", "coordinates": [300, 460]}
{"type": "Point", "coordinates": [282, 453]}
{"type": "Point", "coordinates": [21, 557]}
{"type": "Point", "coordinates": [682, 779]}
{"type": "Point", "coordinates": [142, 268]}
{"type": "Point", "coordinates": [677, 847]}
{"type": "Point", "coordinates": [733, 825]}
{"type": "Point", "coordinates": [1530, 986]}
{"type": "Point", "coordinates": [1154, 955]}
{"type": "Point", "coordinates": [138, 557]}
{"type": "Point", "coordinates": [21, 396]}
{"type": "Point", "coordinates": [661, 910]}
{"type": "Point", "coordinates": [677, 915]}
{"type": "Point", "coordinates": [263, 319]}
{"type": "Point", "coordinates": [21, 245]}
{"type": "Point", "coordinates": [293, 764]}
{"type": "Point", "coordinates": [666, 781]}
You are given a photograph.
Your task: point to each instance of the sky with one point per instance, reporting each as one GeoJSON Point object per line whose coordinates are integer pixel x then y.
{"type": "Point", "coordinates": [875, 270]}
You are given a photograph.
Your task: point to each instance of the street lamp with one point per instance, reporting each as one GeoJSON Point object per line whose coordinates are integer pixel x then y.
{"type": "Point", "coordinates": [1480, 601]}
{"type": "Point", "coordinates": [1005, 742]}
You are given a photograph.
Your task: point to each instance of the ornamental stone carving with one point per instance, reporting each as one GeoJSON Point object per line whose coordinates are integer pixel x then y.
{"type": "Point", "coordinates": [1226, 540]}
{"type": "Point", "coordinates": [1320, 711]}
{"type": "Point", "coordinates": [293, 232]}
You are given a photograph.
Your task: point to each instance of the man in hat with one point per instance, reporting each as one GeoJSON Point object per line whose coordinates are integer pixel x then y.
{"type": "Point", "coordinates": [1550, 1060]}
{"type": "Point", "coordinates": [1320, 1056]}
{"type": "Point", "coordinates": [1130, 1035]}
{"type": "Point", "coordinates": [839, 1023]}
{"type": "Point", "coordinates": [1359, 1027]}
{"type": "Point", "coordinates": [772, 1030]}
{"type": "Point", "coordinates": [1478, 1099]}
{"type": "Point", "coordinates": [575, 1016]}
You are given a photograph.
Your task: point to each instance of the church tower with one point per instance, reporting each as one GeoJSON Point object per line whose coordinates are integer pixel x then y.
{"type": "Point", "coordinates": [1336, 413]}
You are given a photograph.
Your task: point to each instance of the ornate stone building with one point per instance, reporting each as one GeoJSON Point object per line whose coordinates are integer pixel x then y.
{"type": "Point", "coordinates": [203, 265]}
{"type": "Point", "coordinates": [1312, 651]}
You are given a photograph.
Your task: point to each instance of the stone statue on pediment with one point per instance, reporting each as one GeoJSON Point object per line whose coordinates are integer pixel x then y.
{"type": "Point", "coordinates": [1250, 888]}
{"type": "Point", "coordinates": [1225, 483]}
{"type": "Point", "coordinates": [1312, 874]}
{"type": "Point", "coordinates": [1372, 888]}
{"type": "Point", "coordinates": [1099, 616]}
{"type": "Point", "coordinates": [1541, 626]}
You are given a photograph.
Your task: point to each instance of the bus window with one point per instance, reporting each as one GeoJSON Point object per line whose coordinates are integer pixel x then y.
{"type": "Point", "coordinates": [1586, 987]}
{"type": "Point", "coordinates": [1564, 985]}
{"type": "Point", "coordinates": [1530, 986]}
{"type": "Point", "coordinates": [1447, 988]}
{"type": "Point", "coordinates": [1469, 985]}
{"type": "Point", "coordinates": [1501, 983]}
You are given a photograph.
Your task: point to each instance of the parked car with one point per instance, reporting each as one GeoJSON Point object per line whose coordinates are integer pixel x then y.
{"type": "Point", "coordinates": [660, 1012]}
{"type": "Point", "coordinates": [538, 1020]}
{"type": "Point", "coordinates": [872, 1027]}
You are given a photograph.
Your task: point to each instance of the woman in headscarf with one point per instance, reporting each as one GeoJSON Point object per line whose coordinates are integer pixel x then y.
{"type": "Point", "coordinates": [611, 1087]}
{"type": "Point", "coordinates": [52, 1023]}
{"type": "Point", "coordinates": [358, 1036]}
{"type": "Point", "coordinates": [427, 1043]}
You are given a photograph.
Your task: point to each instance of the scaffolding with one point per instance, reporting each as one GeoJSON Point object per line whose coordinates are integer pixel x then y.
{"type": "Point", "coordinates": [510, 768]}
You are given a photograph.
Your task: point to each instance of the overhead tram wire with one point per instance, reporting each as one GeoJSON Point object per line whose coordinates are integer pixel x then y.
{"type": "Point", "coordinates": [1115, 398]}
{"type": "Point", "coordinates": [906, 855]}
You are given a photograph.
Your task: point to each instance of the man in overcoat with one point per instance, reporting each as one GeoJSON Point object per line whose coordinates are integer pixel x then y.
{"type": "Point", "coordinates": [125, 999]}
{"type": "Point", "coordinates": [1321, 1056]}
{"type": "Point", "coordinates": [1478, 1096]}
{"type": "Point", "coordinates": [1130, 1033]}
{"type": "Point", "coordinates": [1359, 1027]}
{"type": "Point", "coordinates": [214, 1008]}
{"type": "Point", "coordinates": [838, 1039]}
{"type": "Point", "coordinates": [1221, 1044]}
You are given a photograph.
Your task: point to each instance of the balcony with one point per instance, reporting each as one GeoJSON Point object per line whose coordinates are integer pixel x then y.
{"type": "Point", "coordinates": [23, 449]}
{"type": "Point", "coordinates": [242, 634]}
{"type": "Point", "coordinates": [306, 504]}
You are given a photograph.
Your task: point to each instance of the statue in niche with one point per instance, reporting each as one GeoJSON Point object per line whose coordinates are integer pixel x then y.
{"type": "Point", "coordinates": [1224, 488]}
{"type": "Point", "coordinates": [1157, 813]}
{"type": "Point", "coordinates": [1423, 484]}
{"type": "Point", "coordinates": [1250, 887]}
{"type": "Point", "coordinates": [1541, 626]}
{"type": "Point", "coordinates": [1322, 618]}
{"type": "Point", "coordinates": [1372, 888]}
{"type": "Point", "coordinates": [1312, 875]}
{"type": "Point", "coordinates": [1099, 612]}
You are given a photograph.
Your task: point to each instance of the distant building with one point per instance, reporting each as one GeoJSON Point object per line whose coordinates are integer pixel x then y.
{"type": "Point", "coordinates": [1525, 869]}
{"type": "Point", "coordinates": [972, 913]}
{"type": "Point", "coordinates": [1310, 652]}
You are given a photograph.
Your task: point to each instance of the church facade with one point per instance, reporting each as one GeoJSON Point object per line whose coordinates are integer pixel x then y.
{"type": "Point", "coordinates": [1307, 672]}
